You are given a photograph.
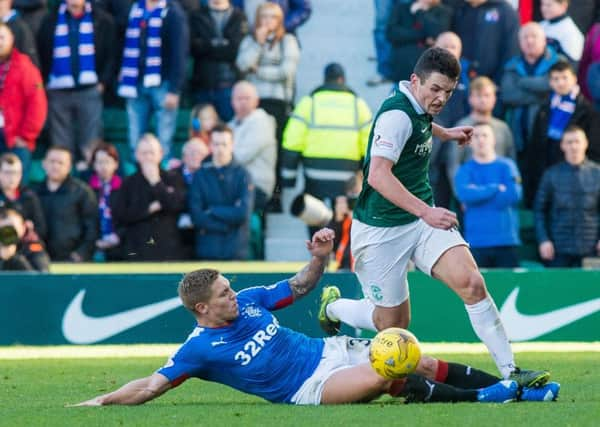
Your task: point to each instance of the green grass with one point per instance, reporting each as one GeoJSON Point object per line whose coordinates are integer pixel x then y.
{"type": "Point", "coordinates": [34, 392]}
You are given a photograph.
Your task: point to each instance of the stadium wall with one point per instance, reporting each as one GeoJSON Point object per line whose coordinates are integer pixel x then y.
{"type": "Point", "coordinates": [559, 305]}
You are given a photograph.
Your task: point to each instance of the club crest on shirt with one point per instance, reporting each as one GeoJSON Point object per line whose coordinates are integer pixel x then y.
{"type": "Point", "coordinates": [251, 311]}
{"type": "Point", "coordinates": [492, 15]}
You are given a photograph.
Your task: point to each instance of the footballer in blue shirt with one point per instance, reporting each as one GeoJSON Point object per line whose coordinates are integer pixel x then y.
{"type": "Point", "coordinates": [240, 343]}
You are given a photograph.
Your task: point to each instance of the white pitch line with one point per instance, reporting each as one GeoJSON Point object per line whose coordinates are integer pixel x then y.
{"type": "Point", "coordinates": [165, 350]}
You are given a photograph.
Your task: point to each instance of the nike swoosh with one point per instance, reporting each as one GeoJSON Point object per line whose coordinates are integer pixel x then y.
{"type": "Point", "coordinates": [80, 328]}
{"type": "Point", "coordinates": [522, 327]}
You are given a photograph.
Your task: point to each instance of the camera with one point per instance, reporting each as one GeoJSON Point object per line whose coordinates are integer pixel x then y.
{"type": "Point", "coordinates": [8, 235]}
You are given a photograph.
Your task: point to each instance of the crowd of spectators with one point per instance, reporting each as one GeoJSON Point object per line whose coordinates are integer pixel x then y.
{"type": "Point", "coordinates": [530, 85]}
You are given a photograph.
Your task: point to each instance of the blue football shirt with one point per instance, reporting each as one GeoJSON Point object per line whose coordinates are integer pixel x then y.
{"type": "Point", "coordinates": [253, 354]}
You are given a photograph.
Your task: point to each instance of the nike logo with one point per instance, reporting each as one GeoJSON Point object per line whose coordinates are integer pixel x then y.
{"type": "Point", "coordinates": [79, 328]}
{"type": "Point", "coordinates": [522, 327]}
{"type": "Point", "coordinates": [424, 130]}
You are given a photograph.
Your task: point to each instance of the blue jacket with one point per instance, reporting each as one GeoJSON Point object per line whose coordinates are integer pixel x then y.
{"type": "Point", "coordinates": [221, 204]}
{"type": "Point", "coordinates": [567, 208]}
{"type": "Point", "coordinates": [296, 12]}
{"type": "Point", "coordinates": [491, 216]}
{"type": "Point", "coordinates": [489, 35]}
{"type": "Point", "coordinates": [523, 93]}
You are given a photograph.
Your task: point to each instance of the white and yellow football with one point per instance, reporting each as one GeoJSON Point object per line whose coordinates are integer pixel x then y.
{"type": "Point", "coordinates": [394, 353]}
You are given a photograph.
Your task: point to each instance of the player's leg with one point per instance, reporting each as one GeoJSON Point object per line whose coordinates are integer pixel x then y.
{"type": "Point", "coordinates": [445, 256]}
{"type": "Point", "coordinates": [423, 390]}
{"type": "Point", "coordinates": [354, 384]}
{"type": "Point", "coordinates": [381, 262]}
{"type": "Point", "coordinates": [361, 312]}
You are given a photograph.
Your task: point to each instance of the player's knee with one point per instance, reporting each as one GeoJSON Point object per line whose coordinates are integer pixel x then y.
{"type": "Point", "coordinates": [473, 289]}
{"type": "Point", "coordinates": [383, 320]}
{"type": "Point", "coordinates": [427, 367]}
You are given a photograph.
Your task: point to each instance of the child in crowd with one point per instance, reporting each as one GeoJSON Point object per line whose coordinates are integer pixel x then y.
{"type": "Point", "coordinates": [566, 106]}
{"type": "Point", "coordinates": [202, 119]}
{"type": "Point", "coordinates": [560, 29]}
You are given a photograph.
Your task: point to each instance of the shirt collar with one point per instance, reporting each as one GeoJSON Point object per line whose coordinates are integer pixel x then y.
{"type": "Point", "coordinates": [404, 87]}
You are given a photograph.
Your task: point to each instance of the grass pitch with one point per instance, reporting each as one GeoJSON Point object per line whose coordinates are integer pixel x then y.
{"type": "Point", "coordinates": [33, 392]}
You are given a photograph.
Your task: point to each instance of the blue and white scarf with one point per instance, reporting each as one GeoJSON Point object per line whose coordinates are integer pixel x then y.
{"type": "Point", "coordinates": [128, 78]}
{"type": "Point", "coordinates": [561, 110]}
{"type": "Point", "coordinates": [61, 76]}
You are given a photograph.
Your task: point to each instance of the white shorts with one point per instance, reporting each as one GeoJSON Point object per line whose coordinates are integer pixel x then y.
{"type": "Point", "coordinates": [381, 256]}
{"type": "Point", "coordinates": [339, 353]}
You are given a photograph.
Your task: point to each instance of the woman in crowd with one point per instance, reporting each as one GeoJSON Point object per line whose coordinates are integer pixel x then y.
{"type": "Point", "coordinates": [269, 59]}
{"type": "Point", "coordinates": [203, 118]}
{"type": "Point", "coordinates": [106, 183]}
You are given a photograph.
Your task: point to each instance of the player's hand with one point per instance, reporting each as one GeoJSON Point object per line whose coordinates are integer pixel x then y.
{"type": "Point", "coordinates": [546, 250]}
{"type": "Point", "coordinates": [92, 402]}
{"type": "Point", "coordinates": [462, 134]}
{"type": "Point", "coordinates": [440, 218]}
{"type": "Point", "coordinates": [321, 244]}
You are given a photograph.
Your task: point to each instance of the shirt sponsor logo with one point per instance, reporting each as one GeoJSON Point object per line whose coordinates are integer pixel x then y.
{"type": "Point", "coordinates": [385, 145]}
{"type": "Point", "coordinates": [423, 149]}
{"type": "Point", "coordinates": [254, 346]}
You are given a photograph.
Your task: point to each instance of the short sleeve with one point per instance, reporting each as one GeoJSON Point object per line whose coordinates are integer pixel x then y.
{"type": "Point", "coordinates": [392, 130]}
{"type": "Point", "coordinates": [186, 362]}
{"type": "Point", "coordinates": [272, 297]}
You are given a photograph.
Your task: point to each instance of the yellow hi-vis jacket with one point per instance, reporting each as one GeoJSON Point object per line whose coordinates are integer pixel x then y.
{"type": "Point", "coordinates": [328, 133]}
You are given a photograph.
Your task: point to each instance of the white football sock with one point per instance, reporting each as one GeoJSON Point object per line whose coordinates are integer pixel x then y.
{"type": "Point", "coordinates": [486, 322]}
{"type": "Point", "coordinates": [356, 313]}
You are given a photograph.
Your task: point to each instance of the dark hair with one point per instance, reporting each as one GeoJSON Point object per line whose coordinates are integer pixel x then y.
{"type": "Point", "coordinates": [574, 128]}
{"type": "Point", "coordinates": [334, 71]}
{"type": "Point", "coordinates": [560, 66]}
{"type": "Point", "coordinates": [9, 159]}
{"type": "Point", "coordinates": [5, 25]}
{"type": "Point", "coordinates": [108, 148]}
{"type": "Point", "coordinates": [7, 211]}
{"type": "Point", "coordinates": [437, 59]}
{"type": "Point", "coordinates": [196, 287]}
{"type": "Point", "coordinates": [221, 127]}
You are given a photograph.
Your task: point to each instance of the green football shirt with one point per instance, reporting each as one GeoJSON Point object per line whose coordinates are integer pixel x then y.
{"type": "Point", "coordinates": [407, 141]}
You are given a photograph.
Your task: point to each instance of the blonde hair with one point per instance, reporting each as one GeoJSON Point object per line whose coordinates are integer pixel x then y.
{"type": "Point", "coordinates": [196, 287]}
{"type": "Point", "coordinates": [480, 83]}
{"type": "Point", "coordinates": [271, 7]}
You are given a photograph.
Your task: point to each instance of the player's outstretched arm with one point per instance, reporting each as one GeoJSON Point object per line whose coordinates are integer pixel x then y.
{"type": "Point", "coordinates": [320, 248]}
{"type": "Point", "coordinates": [135, 392]}
{"type": "Point", "coordinates": [461, 134]}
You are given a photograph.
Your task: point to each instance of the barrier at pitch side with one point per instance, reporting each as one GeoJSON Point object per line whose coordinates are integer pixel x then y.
{"type": "Point", "coordinates": [559, 305]}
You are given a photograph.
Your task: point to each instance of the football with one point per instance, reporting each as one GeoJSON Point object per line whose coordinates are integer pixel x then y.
{"type": "Point", "coordinates": [394, 353]}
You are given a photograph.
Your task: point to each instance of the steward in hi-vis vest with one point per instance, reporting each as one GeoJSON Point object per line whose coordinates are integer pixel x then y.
{"type": "Point", "coordinates": [328, 133]}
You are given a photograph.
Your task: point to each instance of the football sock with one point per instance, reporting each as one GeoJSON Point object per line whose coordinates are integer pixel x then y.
{"type": "Point", "coordinates": [420, 389]}
{"type": "Point", "coordinates": [464, 376]}
{"type": "Point", "coordinates": [356, 313]}
{"type": "Point", "coordinates": [486, 322]}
